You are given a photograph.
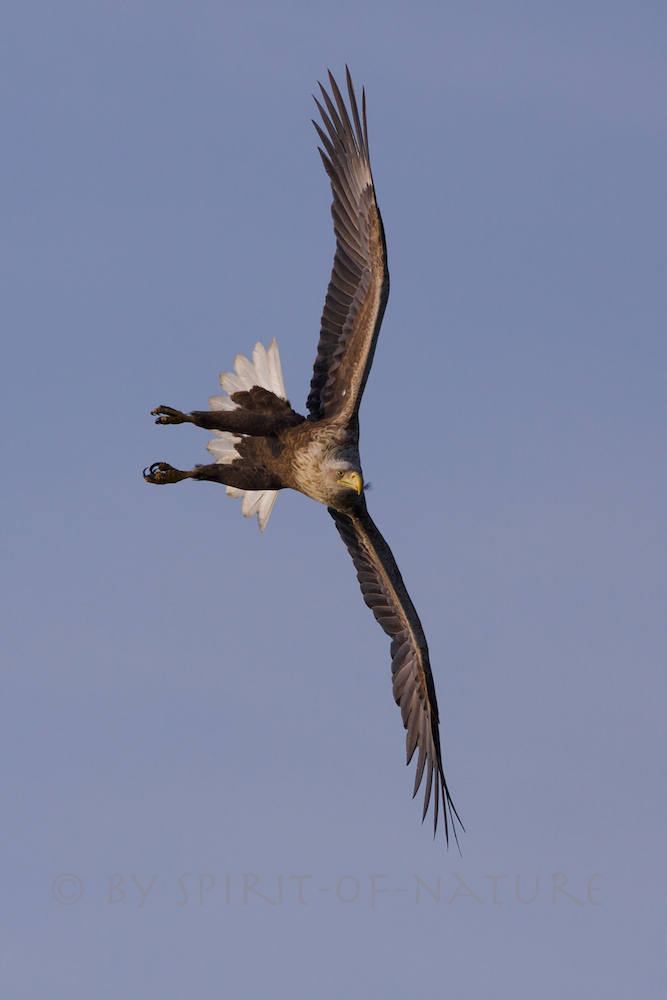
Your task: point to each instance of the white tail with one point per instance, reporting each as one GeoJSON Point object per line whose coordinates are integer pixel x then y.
{"type": "Point", "coordinates": [264, 370]}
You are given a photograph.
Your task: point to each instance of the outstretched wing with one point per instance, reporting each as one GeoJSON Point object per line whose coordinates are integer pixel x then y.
{"type": "Point", "coordinates": [385, 594]}
{"type": "Point", "coordinates": [359, 286]}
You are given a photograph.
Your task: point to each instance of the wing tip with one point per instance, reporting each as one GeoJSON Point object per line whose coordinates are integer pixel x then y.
{"type": "Point", "coordinates": [450, 816]}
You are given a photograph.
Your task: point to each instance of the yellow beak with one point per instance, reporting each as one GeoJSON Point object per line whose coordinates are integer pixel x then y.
{"type": "Point", "coordinates": [353, 480]}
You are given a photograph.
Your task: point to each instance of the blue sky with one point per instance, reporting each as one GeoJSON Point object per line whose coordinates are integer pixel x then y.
{"type": "Point", "coordinates": [184, 695]}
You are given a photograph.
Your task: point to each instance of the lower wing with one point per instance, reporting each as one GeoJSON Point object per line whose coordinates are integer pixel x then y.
{"type": "Point", "coordinates": [385, 594]}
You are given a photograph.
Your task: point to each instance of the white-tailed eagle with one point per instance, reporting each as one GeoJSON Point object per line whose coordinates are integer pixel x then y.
{"type": "Point", "coordinates": [263, 445]}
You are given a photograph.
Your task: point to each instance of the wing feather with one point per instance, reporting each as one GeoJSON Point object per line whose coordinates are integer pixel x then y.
{"type": "Point", "coordinates": [359, 284]}
{"type": "Point", "coordinates": [385, 594]}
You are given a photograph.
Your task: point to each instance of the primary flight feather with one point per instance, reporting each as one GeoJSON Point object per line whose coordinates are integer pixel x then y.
{"type": "Point", "coordinates": [262, 445]}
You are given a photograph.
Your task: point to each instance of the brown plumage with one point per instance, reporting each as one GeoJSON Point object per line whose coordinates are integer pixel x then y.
{"type": "Point", "coordinates": [265, 446]}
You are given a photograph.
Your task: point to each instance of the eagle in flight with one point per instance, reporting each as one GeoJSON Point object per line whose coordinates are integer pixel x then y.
{"type": "Point", "coordinates": [262, 445]}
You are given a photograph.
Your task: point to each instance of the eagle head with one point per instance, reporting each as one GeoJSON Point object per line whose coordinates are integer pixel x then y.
{"type": "Point", "coordinates": [350, 479]}
{"type": "Point", "coordinates": [345, 486]}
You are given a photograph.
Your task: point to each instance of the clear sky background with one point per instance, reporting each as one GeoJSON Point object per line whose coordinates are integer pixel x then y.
{"type": "Point", "coordinates": [184, 695]}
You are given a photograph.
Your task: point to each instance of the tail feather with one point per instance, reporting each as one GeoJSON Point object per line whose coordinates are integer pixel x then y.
{"type": "Point", "coordinates": [275, 371]}
{"type": "Point", "coordinates": [223, 447]}
{"type": "Point", "coordinates": [222, 403]}
{"type": "Point", "coordinates": [234, 383]}
{"type": "Point", "coordinates": [264, 370]}
{"type": "Point", "coordinates": [245, 371]}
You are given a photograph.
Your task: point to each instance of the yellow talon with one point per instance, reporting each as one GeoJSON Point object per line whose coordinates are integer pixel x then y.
{"type": "Point", "coordinates": [161, 473]}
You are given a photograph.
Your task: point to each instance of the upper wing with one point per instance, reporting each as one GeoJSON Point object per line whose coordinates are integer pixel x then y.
{"type": "Point", "coordinates": [385, 594]}
{"type": "Point", "coordinates": [359, 286]}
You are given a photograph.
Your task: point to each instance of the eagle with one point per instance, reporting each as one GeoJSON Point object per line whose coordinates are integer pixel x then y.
{"type": "Point", "coordinates": [262, 445]}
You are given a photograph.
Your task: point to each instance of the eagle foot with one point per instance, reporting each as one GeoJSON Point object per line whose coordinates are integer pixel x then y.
{"type": "Point", "coordinates": [169, 416]}
{"type": "Point", "coordinates": [161, 473]}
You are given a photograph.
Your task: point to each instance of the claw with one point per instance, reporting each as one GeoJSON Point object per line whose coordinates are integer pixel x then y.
{"type": "Point", "coordinates": [161, 473]}
{"type": "Point", "coordinates": [168, 415]}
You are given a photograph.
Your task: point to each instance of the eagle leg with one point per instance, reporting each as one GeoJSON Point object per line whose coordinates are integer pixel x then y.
{"type": "Point", "coordinates": [161, 473]}
{"type": "Point", "coordinates": [169, 416]}
{"type": "Point", "coordinates": [276, 416]}
{"type": "Point", "coordinates": [242, 477]}
{"type": "Point", "coordinates": [242, 421]}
